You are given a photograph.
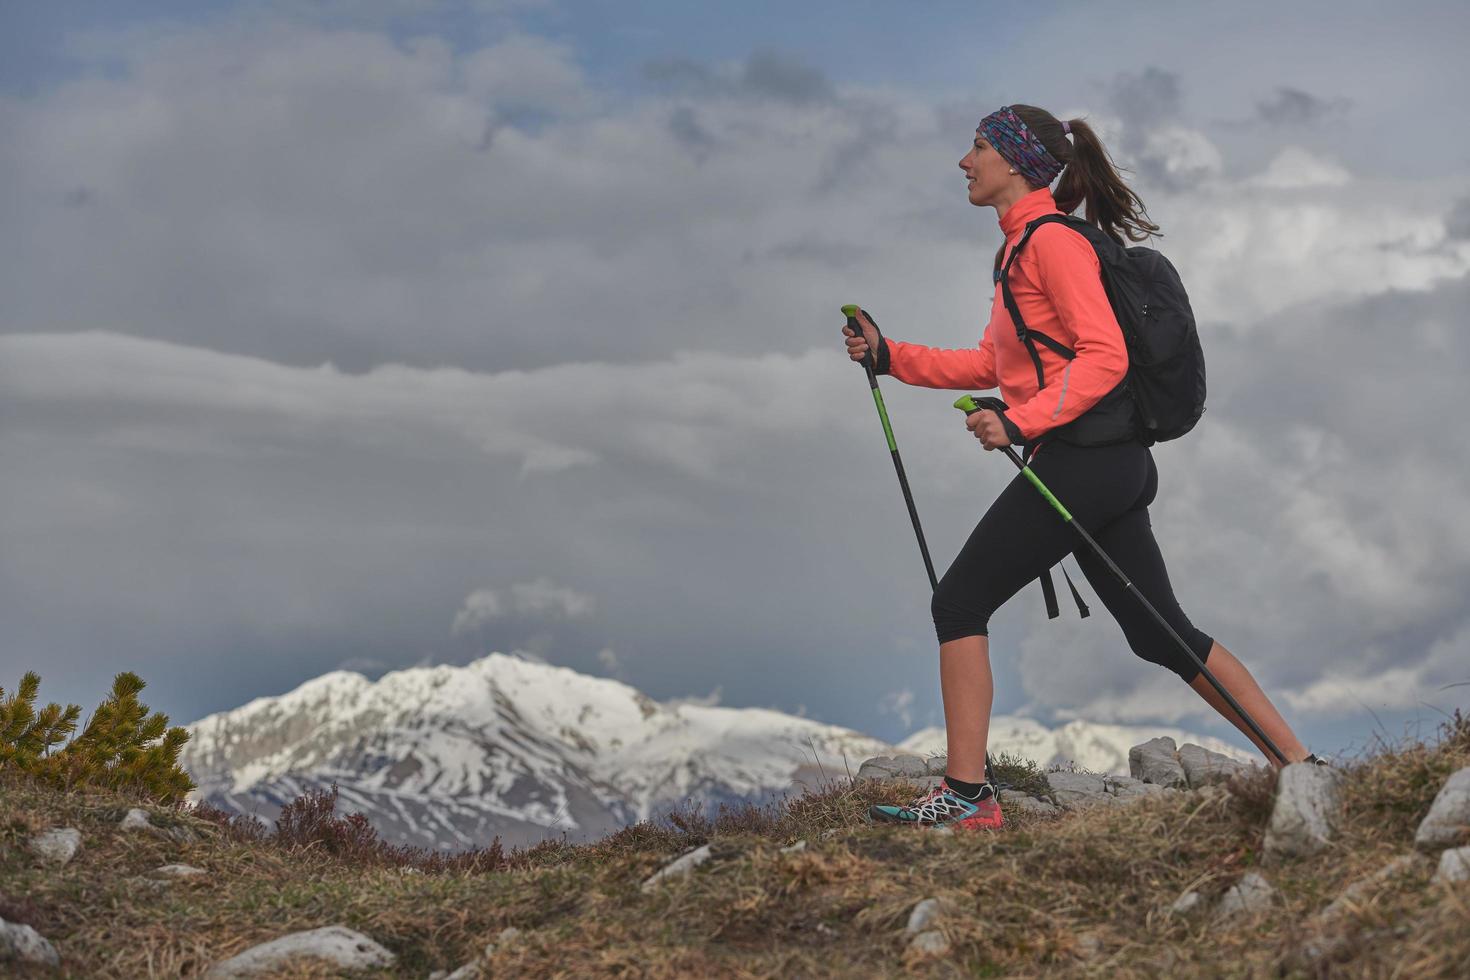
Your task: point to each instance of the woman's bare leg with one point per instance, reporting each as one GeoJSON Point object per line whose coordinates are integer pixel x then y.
{"type": "Point", "coordinates": [1233, 676]}
{"type": "Point", "coordinates": [964, 680]}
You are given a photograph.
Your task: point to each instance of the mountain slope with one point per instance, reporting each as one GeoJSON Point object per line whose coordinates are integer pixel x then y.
{"type": "Point", "coordinates": [451, 756]}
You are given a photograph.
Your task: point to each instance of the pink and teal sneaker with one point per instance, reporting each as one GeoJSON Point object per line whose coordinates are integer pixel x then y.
{"type": "Point", "coordinates": [943, 807]}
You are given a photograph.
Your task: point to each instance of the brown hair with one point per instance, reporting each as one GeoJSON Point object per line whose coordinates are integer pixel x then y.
{"type": "Point", "coordinates": [1088, 177]}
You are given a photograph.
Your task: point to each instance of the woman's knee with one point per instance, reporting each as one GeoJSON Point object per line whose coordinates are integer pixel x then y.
{"type": "Point", "coordinates": [956, 616]}
{"type": "Point", "coordinates": [1157, 647]}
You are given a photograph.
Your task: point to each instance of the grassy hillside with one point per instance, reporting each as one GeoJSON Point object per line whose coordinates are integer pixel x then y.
{"type": "Point", "coordinates": [1084, 894]}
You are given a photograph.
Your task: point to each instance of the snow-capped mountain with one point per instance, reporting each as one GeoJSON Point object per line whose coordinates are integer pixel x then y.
{"type": "Point", "coordinates": [1085, 744]}
{"type": "Point", "coordinates": [453, 756]}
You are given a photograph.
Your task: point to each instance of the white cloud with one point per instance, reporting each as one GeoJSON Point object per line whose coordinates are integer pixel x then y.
{"type": "Point", "coordinates": [899, 703]}
{"type": "Point", "coordinates": [540, 599]}
{"type": "Point", "coordinates": [1295, 168]}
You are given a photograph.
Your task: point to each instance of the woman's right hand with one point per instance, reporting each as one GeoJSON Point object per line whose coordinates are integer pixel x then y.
{"type": "Point", "coordinates": [858, 345]}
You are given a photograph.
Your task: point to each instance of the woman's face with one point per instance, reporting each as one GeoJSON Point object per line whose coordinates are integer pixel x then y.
{"type": "Point", "coordinates": [986, 171]}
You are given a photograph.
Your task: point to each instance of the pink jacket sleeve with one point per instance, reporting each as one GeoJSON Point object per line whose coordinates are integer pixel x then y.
{"type": "Point", "coordinates": [941, 367]}
{"type": "Point", "coordinates": [1071, 276]}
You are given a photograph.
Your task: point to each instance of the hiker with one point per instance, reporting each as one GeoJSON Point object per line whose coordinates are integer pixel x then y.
{"type": "Point", "coordinates": [1081, 437]}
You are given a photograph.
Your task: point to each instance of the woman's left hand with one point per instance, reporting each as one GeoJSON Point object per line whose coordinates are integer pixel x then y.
{"type": "Point", "coordinates": [988, 428]}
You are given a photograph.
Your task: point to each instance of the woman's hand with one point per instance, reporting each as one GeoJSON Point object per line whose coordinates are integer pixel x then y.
{"type": "Point", "coordinates": [988, 428]}
{"type": "Point", "coordinates": [859, 345]}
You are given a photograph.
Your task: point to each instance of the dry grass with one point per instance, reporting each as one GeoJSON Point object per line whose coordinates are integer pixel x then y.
{"type": "Point", "coordinates": [1081, 895]}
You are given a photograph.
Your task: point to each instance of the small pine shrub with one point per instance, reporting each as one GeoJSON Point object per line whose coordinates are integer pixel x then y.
{"type": "Point", "coordinates": [122, 747]}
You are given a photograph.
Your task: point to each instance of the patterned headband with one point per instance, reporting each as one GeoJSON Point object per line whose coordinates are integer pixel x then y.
{"type": "Point", "coordinates": [1013, 141]}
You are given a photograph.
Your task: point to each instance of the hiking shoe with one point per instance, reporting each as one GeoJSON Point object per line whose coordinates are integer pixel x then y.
{"type": "Point", "coordinates": [943, 807]}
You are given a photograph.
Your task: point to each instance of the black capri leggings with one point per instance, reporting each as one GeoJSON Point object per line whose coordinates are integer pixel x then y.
{"type": "Point", "coordinates": [1108, 490]}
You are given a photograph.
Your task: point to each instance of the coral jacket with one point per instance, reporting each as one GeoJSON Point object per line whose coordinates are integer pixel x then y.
{"type": "Point", "coordinates": [1057, 284]}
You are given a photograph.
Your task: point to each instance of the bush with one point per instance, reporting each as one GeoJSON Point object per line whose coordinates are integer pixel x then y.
{"type": "Point", "coordinates": [123, 747]}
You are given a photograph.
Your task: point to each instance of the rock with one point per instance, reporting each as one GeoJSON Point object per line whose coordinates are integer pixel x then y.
{"type": "Point", "coordinates": [1448, 821]}
{"type": "Point", "coordinates": [680, 866]}
{"type": "Point", "coordinates": [470, 971]}
{"type": "Point", "coordinates": [506, 935]}
{"type": "Point", "coordinates": [1251, 893]}
{"type": "Point", "coordinates": [1187, 904]}
{"type": "Point", "coordinates": [18, 942]}
{"type": "Point", "coordinates": [1024, 803]}
{"type": "Point", "coordinates": [1204, 768]}
{"type": "Point", "coordinates": [926, 914]}
{"type": "Point", "coordinates": [1304, 817]}
{"type": "Point", "coordinates": [1072, 790]}
{"type": "Point", "coordinates": [56, 846]}
{"type": "Point", "coordinates": [1155, 761]}
{"type": "Point", "coordinates": [1128, 788]}
{"type": "Point", "coordinates": [438, 975]}
{"type": "Point", "coordinates": [898, 767]}
{"type": "Point", "coordinates": [1454, 865]}
{"type": "Point", "coordinates": [796, 848]}
{"type": "Point", "coordinates": [136, 820]}
{"type": "Point", "coordinates": [179, 871]}
{"type": "Point", "coordinates": [337, 944]}
{"type": "Point", "coordinates": [1089, 946]}
{"type": "Point", "coordinates": [931, 943]}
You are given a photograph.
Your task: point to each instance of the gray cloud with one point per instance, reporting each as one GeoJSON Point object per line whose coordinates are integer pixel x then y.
{"type": "Point", "coordinates": [1457, 224]}
{"type": "Point", "coordinates": [765, 75]}
{"type": "Point", "coordinates": [1292, 107]}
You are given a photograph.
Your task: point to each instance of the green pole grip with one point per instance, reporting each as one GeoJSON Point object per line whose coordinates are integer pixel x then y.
{"type": "Point", "coordinates": [968, 405]}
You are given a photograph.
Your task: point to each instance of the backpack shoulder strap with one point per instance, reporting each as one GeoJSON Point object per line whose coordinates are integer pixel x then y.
{"type": "Point", "coordinates": [1025, 335]}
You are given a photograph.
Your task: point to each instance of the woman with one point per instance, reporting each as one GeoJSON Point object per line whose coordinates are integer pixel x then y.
{"type": "Point", "coordinates": [1098, 468]}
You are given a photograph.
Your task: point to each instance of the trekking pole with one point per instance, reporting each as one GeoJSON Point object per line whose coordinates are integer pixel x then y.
{"type": "Point", "coordinates": [851, 311]}
{"type": "Point", "coordinates": [868, 362]}
{"type": "Point", "coordinates": [969, 405]}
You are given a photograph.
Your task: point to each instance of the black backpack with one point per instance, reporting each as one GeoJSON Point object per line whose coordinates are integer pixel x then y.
{"type": "Point", "coordinates": [1166, 366]}
{"type": "Point", "coordinates": [1163, 394]}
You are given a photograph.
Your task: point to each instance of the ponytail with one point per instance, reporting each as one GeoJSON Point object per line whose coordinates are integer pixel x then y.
{"type": "Point", "coordinates": [1088, 177]}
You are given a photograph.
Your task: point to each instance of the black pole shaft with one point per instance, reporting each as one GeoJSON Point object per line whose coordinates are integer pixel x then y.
{"type": "Point", "coordinates": [903, 480]}
{"type": "Point", "coordinates": [1128, 585]}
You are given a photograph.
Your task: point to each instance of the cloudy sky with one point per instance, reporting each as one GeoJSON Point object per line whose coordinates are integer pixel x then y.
{"type": "Point", "coordinates": [376, 334]}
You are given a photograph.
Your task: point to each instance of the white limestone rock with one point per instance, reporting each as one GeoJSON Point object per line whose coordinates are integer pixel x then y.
{"type": "Point", "coordinates": [56, 846]}
{"type": "Point", "coordinates": [1026, 804]}
{"type": "Point", "coordinates": [340, 946]}
{"type": "Point", "coordinates": [1448, 821]}
{"type": "Point", "coordinates": [136, 819]}
{"type": "Point", "coordinates": [1252, 893]}
{"type": "Point", "coordinates": [1126, 788]}
{"type": "Point", "coordinates": [178, 871]}
{"type": "Point", "coordinates": [1304, 817]}
{"type": "Point", "coordinates": [931, 943]}
{"type": "Point", "coordinates": [1454, 865]}
{"type": "Point", "coordinates": [679, 866]}
{"type": "Point", "coordinates": [1073, 790]}
{"type": "Point", "coordinates": [896, 767]}
{"type": "Point", "coordinates": [18, 942]}
{"type": "Point", "coordinates": [926, 914]}
{"type": "Point", "coordinates": [1188, 904]}
{"type": "Point", "coordinates": [796, 848]}
{"type": "Point", "coordinates": [1205, 768]}
{"type": "Point", "coordinates": [1156, 761]}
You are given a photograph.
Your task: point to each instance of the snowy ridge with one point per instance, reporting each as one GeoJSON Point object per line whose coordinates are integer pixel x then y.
{"type": "Point", "coordinates": [1087, 745]}
{"type": "Point", "coordinates": [450, 756]}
